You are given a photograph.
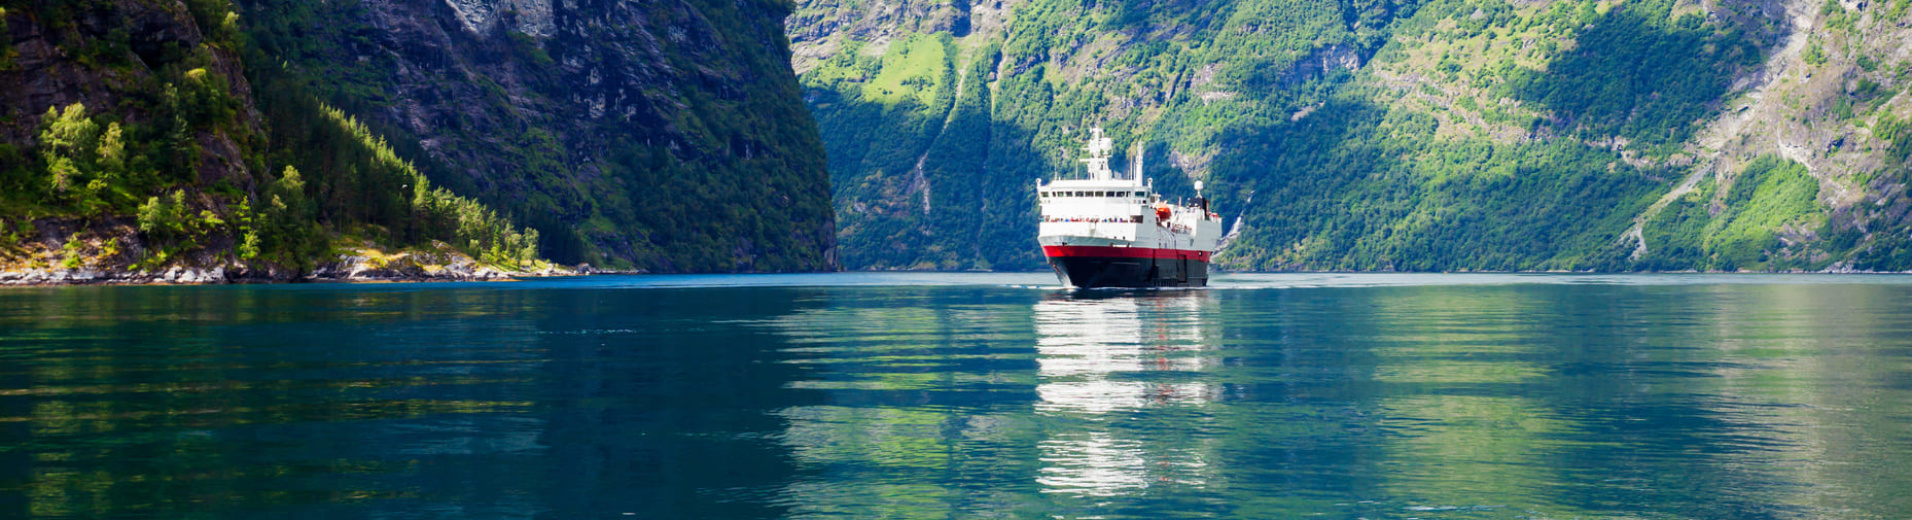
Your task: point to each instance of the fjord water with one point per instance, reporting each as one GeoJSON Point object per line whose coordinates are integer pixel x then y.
{"type": "Point", "coordinates": [963, 396]}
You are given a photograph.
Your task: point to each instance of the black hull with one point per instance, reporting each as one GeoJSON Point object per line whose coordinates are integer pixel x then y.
{"type": "Point", "coordinates": [1132, 271]}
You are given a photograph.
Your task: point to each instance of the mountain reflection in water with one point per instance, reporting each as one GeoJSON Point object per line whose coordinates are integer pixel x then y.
{"type": "Point", "coordinates": [882, 395]}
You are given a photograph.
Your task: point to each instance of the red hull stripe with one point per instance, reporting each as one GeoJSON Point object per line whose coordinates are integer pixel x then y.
{"type": "Point", "coordinates": [1122, 252]}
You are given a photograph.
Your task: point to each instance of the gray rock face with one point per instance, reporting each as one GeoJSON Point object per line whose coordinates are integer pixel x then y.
{"type": "Point", "coordinates": [1323, 60]}
{"type": "Point", "coordinates": [819, 26]}
{"type": "Point", "coordinates": [47, 73]}
{"type": "Point", "coordinates": [532, 17]}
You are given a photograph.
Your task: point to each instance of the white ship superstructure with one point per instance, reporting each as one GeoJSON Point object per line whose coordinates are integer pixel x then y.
{"type": "Point", "coordinates": [1104, 228]}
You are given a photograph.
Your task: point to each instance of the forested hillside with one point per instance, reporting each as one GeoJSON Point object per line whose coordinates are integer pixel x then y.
{"type": "Point", "coordinates": [269, 139]}
{"type": "Point", "coordinates": [1378, 135]}
{"type": "Point", "coordinates": [664, 136]}
{"type": "Point", "coordinates": [133, 142]}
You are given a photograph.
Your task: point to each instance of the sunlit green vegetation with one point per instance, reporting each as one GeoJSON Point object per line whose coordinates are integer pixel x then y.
{"type": "Point", "coordinates": [914, 68]}
{"type": "Point", "coordinates": [1898, 134]}
{"type": "Point", "coordinates": [1741, 228]}
{"type": "Point", "coordinates": [1642, 72]}
{"type": "Point", "coordinates": [1349, 199]}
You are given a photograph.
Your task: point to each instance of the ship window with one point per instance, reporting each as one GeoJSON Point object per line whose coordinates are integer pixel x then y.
{"type": "Point", "coordinates": [1138, 194]}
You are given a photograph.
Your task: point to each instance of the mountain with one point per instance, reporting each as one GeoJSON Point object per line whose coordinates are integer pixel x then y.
{"type": "Point", "coordinates": [275, 139]}
{"type": "Point", "coordinates": [1441, 135]}
{"type": "Point", "coordinates": [666, 136]}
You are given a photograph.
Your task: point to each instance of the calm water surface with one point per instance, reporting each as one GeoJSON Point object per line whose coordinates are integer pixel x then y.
{"type": "Point", "coordinates": [963, 396]}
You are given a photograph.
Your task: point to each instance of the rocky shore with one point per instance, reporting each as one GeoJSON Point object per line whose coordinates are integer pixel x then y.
{"type": "Point", "coordinates": [225, 275]}
{"type": "Point", "coordinates": [361, 262]}
{"type": "Point", "coordinates": [239, 274]}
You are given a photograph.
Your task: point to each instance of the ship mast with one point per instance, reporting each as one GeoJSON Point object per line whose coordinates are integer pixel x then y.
{"type": "Point", "coordinates": [1097, 159]}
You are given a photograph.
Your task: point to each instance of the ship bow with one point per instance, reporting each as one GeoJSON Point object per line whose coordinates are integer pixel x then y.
{"type": "Point", "coordinates": [1088, 267]}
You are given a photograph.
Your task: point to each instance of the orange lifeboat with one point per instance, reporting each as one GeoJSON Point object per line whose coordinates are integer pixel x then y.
{"type": "Point", "coordinates": [1161, 211]}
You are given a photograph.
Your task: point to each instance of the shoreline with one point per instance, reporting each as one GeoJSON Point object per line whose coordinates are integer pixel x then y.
{"type": "Point", "coordinates": [221, 276]}
{"type": "Point", "coordinates": [351, 261]}
{"type": "Point", "coordinates": [240, 276]}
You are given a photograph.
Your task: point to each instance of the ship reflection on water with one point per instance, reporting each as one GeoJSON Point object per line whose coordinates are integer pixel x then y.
{"type": "Point", "coordinates": [1102, 357]}
{"type": "Point", "coordinates": [1064, 403]}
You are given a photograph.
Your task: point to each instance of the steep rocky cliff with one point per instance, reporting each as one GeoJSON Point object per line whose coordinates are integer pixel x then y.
{"type": "Point", "coordinates": [100, 54]}
{"type": "Point", "coordinates": [666, 136]}
{"type": "Point", "coordinates": [102, 104]}
{"type": "Point", "coordinates": [1830, 105]}
{"type": "Point", "coordinates": [278, 140]}
{"type": "Point", "coordinates": [1382, 135]}
{"type": "Point", "coordinates": [135, 151]}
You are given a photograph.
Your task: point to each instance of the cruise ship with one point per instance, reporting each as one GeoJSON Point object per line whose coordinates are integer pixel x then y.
{"type": "Point", "coordinates": [1101, 228]}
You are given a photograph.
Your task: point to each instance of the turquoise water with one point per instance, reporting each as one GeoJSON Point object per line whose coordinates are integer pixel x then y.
{"type": "Point", "coordinates": [869, 395]}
